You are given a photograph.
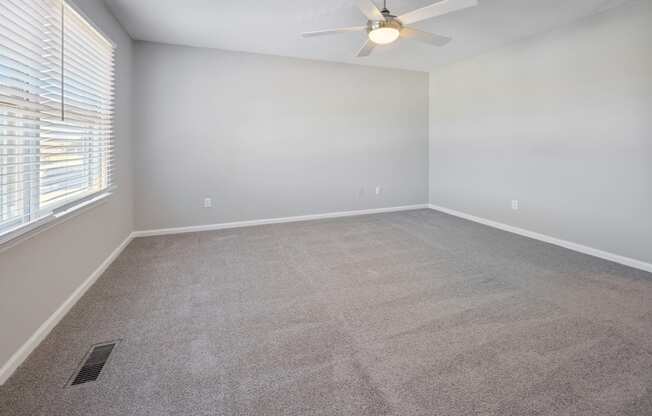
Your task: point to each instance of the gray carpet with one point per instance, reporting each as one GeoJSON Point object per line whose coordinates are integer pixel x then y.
{"type": "Point", "coordinates": [413, 313]}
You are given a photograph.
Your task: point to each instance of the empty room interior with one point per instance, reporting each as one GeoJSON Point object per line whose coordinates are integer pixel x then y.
{"type": "Point", "coordinates": [326, 207]}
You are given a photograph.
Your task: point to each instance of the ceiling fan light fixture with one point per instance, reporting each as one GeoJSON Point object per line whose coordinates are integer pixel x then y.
{"type": "Point", "coordinates": [386, 31]}
{"type": "Point", "coordinates": [384, 35]}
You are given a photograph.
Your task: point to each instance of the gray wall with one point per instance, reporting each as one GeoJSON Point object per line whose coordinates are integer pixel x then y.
{"type": "Point", "coordinates": [270, 137]}
{"type": "Point", "coordinates": [39, 274]}
{"type": "Point", "coordinates": [561, 122]}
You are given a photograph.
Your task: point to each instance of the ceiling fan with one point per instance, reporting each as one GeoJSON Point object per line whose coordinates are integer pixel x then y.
{"type": "Point", "coordinates": [384, 28]}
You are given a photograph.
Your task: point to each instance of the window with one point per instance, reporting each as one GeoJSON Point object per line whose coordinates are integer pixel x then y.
{"type": "Point", "coordinates": [56, 112]}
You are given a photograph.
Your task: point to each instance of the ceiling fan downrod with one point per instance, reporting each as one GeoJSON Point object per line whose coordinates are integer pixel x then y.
{"type": "Point", "coordinates": [385, 11]}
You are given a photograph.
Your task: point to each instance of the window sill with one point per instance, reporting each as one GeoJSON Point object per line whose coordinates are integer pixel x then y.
{"type": "Point", "coordinates": [26, 232]}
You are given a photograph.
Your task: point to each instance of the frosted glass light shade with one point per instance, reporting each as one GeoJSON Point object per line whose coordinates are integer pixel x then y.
{"type": "Point", "coordinates": [384, 35]}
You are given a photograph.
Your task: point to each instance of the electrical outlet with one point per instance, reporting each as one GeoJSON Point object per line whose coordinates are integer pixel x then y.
{"type": "Point", "coordinates": [379, 190]}
{"type": "Point", "coordinates": [208, 203]}
{"type": "Point", "coordinates": [515, 204]}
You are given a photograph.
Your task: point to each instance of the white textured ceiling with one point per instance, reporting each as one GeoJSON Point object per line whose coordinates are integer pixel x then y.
{"type": "Point", "coordinates": [274, 26]}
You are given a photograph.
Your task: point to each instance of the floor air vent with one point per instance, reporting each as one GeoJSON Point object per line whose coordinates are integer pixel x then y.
{"type": "Point", "coordinates": [92, 366]}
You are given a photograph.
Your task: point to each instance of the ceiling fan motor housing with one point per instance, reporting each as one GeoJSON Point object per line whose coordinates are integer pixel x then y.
{"type": "Point", "coordinates": [391, 22]}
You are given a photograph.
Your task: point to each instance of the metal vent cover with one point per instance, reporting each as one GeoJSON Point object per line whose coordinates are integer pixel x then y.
{"type": "Point", "coordinates": [93, 363]}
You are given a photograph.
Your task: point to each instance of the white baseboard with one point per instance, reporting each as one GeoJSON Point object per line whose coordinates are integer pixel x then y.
{"type": "Point", "coordinates": [26, 349]}
{"type": "Point", "coordinates": [23, 352]}
{"type": "Point", "coordinates": [240, 224]}
{"type": "Point", "coordinates": [637, 264]}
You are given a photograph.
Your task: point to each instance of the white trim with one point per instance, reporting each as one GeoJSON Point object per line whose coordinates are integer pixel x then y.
{"type": "Point", "coordinates": [23, 352]}
{"type": "Point", "coordinates": [627, 261]}
{"type": "Point", "coordinates": [239, 224]}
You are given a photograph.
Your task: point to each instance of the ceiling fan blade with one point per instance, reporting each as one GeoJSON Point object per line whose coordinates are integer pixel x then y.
{"type": "Point", "coordinates": [438, 9]}
{"type": "Point", "coordinates": [430, 38]}
{"type": "Point", "coordinates": [366, 49]}
{"type": "Point", "coordinates": [369, 9]}
{"type": "Point", "coordinates": [334, 31]}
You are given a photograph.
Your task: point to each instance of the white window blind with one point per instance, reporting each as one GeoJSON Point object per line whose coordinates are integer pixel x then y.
{"type": "Point", "coordinates": [56, 111]}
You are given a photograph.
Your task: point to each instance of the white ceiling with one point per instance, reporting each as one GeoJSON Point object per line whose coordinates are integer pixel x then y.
{"type": "Point", "coordinates": [274, 26]}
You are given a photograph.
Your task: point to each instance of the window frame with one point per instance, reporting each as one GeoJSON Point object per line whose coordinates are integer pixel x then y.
{"type": "Point", "coordinates": [78, 204]}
